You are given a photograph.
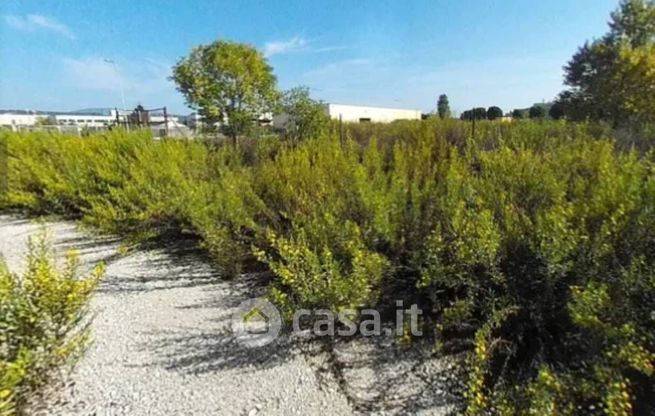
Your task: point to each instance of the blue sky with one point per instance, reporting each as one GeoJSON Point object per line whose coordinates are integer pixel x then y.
{"type": "Point", "coordinates": [402, 54]}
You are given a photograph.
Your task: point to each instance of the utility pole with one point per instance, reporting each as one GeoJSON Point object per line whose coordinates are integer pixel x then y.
{"type": "Point", "coordinates": [120, 83]}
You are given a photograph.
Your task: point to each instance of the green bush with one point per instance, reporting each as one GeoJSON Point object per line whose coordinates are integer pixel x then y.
{"type": "Point", "coordinates": [532, 240]}
{"type": "Point", "coordinates": [41, 314]}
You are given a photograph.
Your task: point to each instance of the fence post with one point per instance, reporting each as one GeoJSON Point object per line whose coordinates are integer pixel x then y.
{"type": "Point", "coordinates": [341, 129]}
{"type": "Point", "coordinates": [166, 121]}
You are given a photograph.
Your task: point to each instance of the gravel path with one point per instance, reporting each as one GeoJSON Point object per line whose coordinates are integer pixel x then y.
{"type": "Point", "coordinates": [163, 346]}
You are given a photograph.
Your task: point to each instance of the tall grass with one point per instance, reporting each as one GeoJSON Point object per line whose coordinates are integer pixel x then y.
{"type": "Point", "coordinates": [533, 240]}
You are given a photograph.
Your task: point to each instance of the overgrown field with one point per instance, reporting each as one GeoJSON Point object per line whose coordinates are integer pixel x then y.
{"type": "Point", "coordinates": [534, 241]}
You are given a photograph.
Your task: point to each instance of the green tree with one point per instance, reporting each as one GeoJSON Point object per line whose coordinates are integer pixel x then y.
{"type": "Point", "coordinates": [608, 77]}
{"type": "Point", "coordinates": [556, 111]}
{"type": "Point", "coordinates": [636, 68]}
{"type": "Point", "coordinates": [305, 117]}
{"type": "Point", "coordinates": [480, 113]}
{"type": "Point", "coordinates": [633, 21]}
{"type": "Point", "coordinates": [227, 82]}
{"type": "Point", "coordinates": [494, 112]}
{"type": "Point", "coordinates": [537, 111]}
{"type": "Point", "coordinates": [518, 114]}
{"type": "Point", "coordinates": [443, 107]}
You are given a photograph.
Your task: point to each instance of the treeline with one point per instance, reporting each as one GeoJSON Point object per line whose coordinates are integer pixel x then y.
{"type": "Point", "coordinates": [537, 111]}
{"type": "Point", "coordinates": [610, 79]}
{"type": "Point", "coordinates": [480, 113]}
{"type": "Point", "coordinates": [532, 242]}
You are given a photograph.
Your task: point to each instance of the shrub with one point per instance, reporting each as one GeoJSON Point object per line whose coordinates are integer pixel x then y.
{"type": "Point", "coordinates": [41, 312]}
{"type": "Point", "coordinates": [531, 240]}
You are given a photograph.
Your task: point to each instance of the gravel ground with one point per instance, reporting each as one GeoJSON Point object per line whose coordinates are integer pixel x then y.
{"type": "Point", "coordinates": [380, 377]}
{"type": "Point", "coordinates": [163, 346]}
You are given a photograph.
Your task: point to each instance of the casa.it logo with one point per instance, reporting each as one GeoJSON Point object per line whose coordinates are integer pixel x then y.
{"type": "Point", "coordinates": [256, 322]}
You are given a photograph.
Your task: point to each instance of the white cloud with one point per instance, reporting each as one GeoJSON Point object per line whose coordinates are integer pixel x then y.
{"type": "Point", "coordinates": [35, 22]}
{"type": "Point", "coordinates": [329, 49]}
{"type": "Point", "coordinates": [140, 80]}
{"type": "Point", "coordinates": [298, 44]}
{"type": "Point", "coordinates": [284, 46]}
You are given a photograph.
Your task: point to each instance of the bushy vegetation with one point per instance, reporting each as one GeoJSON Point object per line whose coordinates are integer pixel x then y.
{"type": "Point", "coordinates": [40, 315]}
{"type": "Point", "coordinates": [532, 240]}
{"type": "Point", "coordinates": [612, 78]}
{"type": "Point", "coordinates": [305, 117]}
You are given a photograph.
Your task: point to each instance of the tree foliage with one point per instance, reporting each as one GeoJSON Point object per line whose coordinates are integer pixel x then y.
{"type": "Point", "coordinates": [306, 117]}
{"type": "Point", "coordinates": [494, 112]}
{"type": "Point", "coordinates": [478, 113]}
{"type": "Point", "coordinates": [227, 82]}
{"type": "Point", "coordinates": [612, 78]}
{"type": "Point", "coordinates": [537, 111]}
{"type": "Point", "coordinates": [443, 107]}
{"type": "Point", "coordinates": [556, 111]}
{"type": "Point", "coordinates": [518, 114]}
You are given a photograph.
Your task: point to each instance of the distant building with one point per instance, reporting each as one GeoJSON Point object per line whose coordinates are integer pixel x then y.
{"type": "Point", "coordinates": [359, 114]}
{"type": "Point", "coordinates": [193, 121]}
{"type": "Point", "coordinates": [92, 122]}
{"type": "Point", "coordinates": [98, 119]}
{"type": "Point", "coordinates": [92, 119]}
{"type": "Point", "coordinates": [363, 114]}
{"type": "Point", "coordinates": [12, 121]}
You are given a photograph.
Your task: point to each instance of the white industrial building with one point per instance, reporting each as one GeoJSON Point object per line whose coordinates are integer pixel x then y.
{"type": "Point", "coordinates": [13, 120]}
{"type": "Point", "coordinates": [102, 119]}
{"type": "Point", "coordinates": [105, 120]}
{"type": "Point", "coordinates": [82, 120]}
{"type": "Point", "coordinates": [362, 114]}
{"type": "Point", "coordinates": [359, 114]}
{"type": "Point", "coordinates": [91, 120]}
{"type": "Point", "coordinates": [25, 120]}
